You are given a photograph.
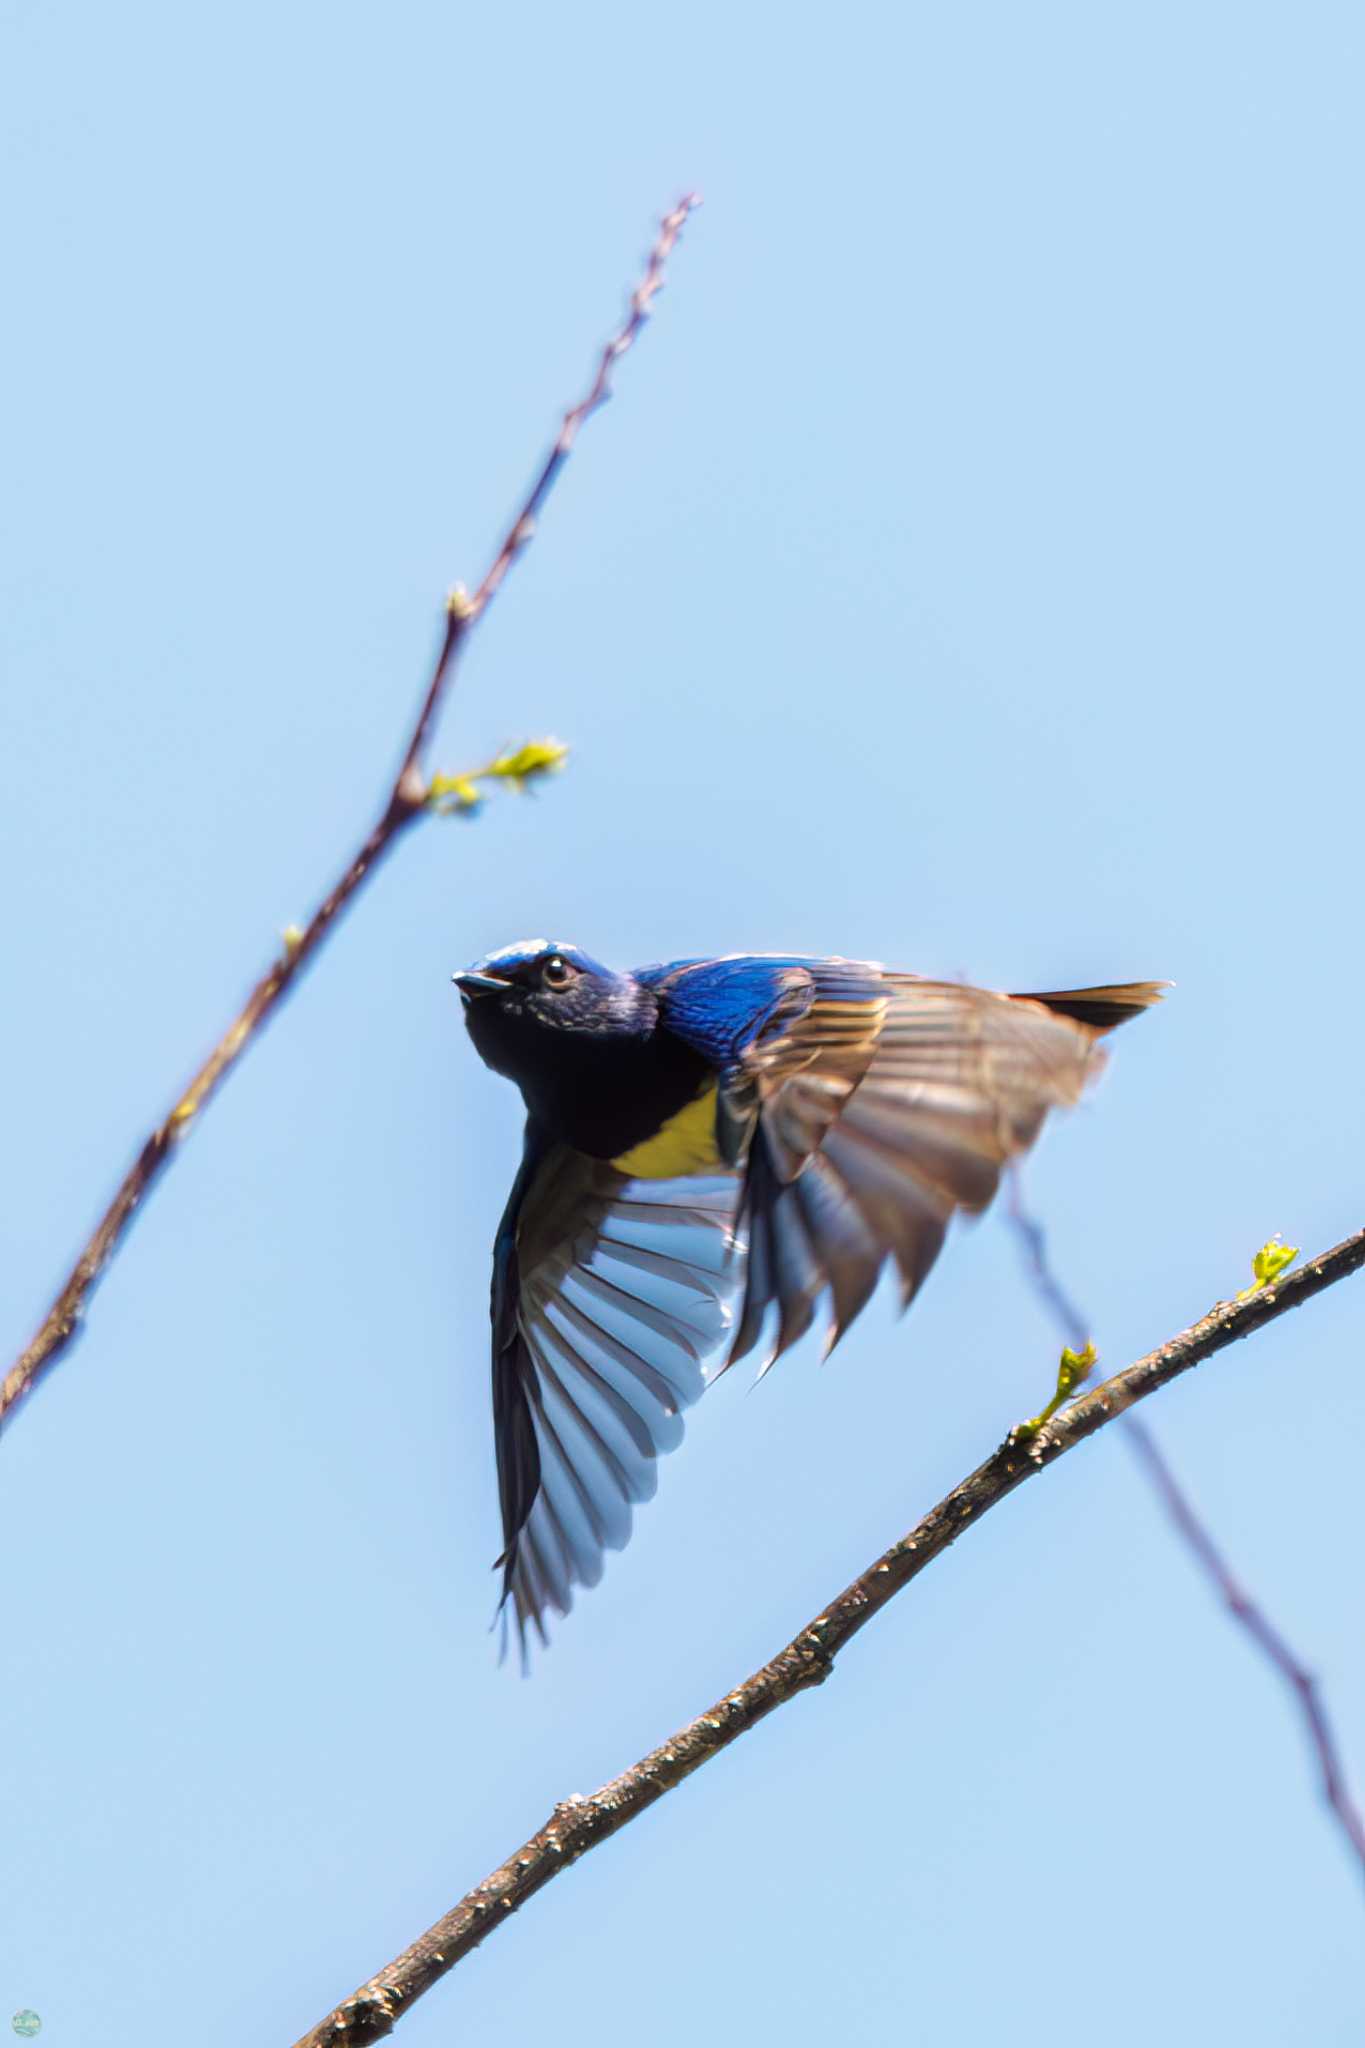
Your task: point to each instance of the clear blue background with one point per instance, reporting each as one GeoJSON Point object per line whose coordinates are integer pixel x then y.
{"type": "Point", "coordinates": [967, 575]}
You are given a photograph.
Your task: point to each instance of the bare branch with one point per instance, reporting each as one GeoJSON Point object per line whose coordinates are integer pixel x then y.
{"type": "Point", "coordinates": [1033, 1243]}
{"type": "Point", "coordinates": [404, 802]}
{"type": "Point", "coordinates": [1196, 1536]}
{"type": "Point", "coordinates": [579, 1824]}
{"type": "Point", "coordinates": [1263, 1632]}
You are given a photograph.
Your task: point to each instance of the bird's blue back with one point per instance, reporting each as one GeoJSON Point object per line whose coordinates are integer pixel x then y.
{"type": "Point", "coordinates": [719, 1006]}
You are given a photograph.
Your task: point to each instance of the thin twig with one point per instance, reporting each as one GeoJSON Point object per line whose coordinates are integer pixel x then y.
{"type": "Point", "coordinates": [404, 802]}
{"type": "Point", "coordinates": [579, 1824]}
{"type": "Point", "coordinates": [1066, 1313]}
{"type": "Point", "coordinates": [1262, 1631]}
{"type": "Point", "coordinates": [1198, 1540]}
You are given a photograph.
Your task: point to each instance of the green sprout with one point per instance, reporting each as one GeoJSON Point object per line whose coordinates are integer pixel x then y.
{"type": "Point", "coordinates": [1270, 1261]}
{"type": "Point", "coordinates": [518, 768]}
{"type": "Point", "coordinates": [1073, 1371]}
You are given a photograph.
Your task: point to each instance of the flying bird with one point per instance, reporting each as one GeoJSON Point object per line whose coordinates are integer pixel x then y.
{"type": "Point", "coordinates": [718, 1139]}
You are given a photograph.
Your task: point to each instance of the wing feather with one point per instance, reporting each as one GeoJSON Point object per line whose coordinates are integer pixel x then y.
{"type": "Point", "coordinates": [871, 1120]}
{"type": "Point", "coordinates": [843, 1242]}
{"type": "Point", "coordinates": [611, 1294]}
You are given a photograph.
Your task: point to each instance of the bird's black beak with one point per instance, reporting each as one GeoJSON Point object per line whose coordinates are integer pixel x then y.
{"type": "Point", "coordinates": [478, 985]}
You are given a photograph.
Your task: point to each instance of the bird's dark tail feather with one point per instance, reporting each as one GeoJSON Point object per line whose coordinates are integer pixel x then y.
{"type": "Point", "coordinates": [1100, 1008]}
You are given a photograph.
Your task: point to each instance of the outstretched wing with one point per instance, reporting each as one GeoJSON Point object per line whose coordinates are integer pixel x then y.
{"type": "Point", "coordinates": [868, 1114]}
{"type": "Point", "coordinates": [608, 1295]}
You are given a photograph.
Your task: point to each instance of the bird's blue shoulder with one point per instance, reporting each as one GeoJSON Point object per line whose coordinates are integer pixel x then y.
{"type": "Point", "coordinates": [719, 1006]}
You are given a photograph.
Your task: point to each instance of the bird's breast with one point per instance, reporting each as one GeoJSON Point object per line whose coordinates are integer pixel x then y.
{"type": "Point", "coordinates": [684, 1143]}
{"type": "Point", "coordinates": [645, 1105]}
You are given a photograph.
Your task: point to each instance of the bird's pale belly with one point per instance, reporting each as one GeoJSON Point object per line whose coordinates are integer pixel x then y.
{"type": "Point", "coordinates": [685, 1144]}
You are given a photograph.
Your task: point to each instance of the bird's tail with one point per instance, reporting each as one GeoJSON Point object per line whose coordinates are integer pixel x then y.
{"type": "Point", "coordinates": [1100, 1008]}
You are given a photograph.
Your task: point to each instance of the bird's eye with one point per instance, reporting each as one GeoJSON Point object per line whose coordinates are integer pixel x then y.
{"type": "Point", "coordinates": [556, 972]}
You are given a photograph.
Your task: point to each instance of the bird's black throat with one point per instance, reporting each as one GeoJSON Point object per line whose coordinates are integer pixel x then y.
{"type": "Point", "coordinates": [601, 1091]}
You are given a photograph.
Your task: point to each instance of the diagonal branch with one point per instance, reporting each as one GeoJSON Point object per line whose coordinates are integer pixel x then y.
{"type": "Point", "coordinates": [1262, 1631]}
{"type": "Point", "coordinates": [579, 1824]}
{"type": "Point", "coordinates": [1198, 1540]}
{"type": "Point", "coordinates": [404, 803]}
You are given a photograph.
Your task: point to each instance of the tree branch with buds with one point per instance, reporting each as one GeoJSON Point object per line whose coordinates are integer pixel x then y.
{"type": "Point", "coordinates": [1078, 1361]}
{"type": "Point", "coordinates": [581, 1823]}
{"type": "Point", "coordinates": [413, 794]}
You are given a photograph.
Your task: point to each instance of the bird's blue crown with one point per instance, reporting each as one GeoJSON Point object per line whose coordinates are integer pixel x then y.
{"type": "Point", "coordinates": [522, 953]}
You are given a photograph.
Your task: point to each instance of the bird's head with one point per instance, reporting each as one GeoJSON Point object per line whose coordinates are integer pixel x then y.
{"type": "Point", "coordinates": [531, 1006]}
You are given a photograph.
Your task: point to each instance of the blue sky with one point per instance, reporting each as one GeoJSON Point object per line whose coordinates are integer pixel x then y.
{"type": "Point", "coordinates": [966, 575]}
